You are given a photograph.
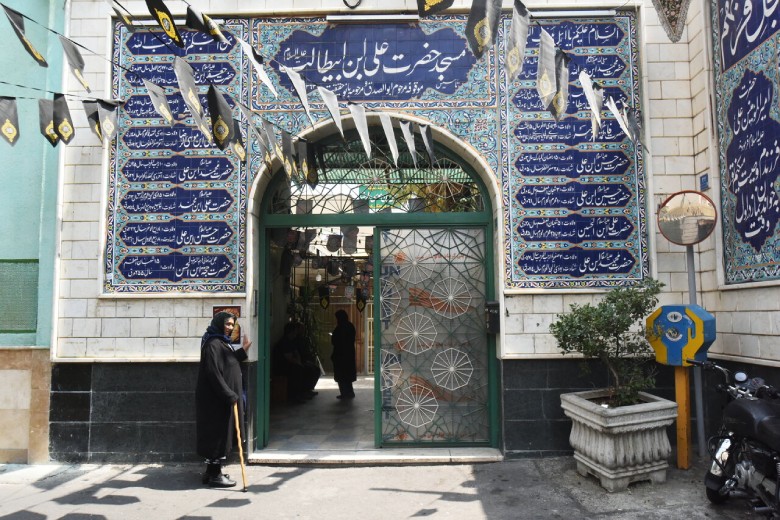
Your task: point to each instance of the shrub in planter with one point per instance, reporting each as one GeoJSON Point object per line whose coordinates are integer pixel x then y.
{"type": "Point", "coordinates": [618, 433]}
{"type": "Point", "coordinates": [613, 332]}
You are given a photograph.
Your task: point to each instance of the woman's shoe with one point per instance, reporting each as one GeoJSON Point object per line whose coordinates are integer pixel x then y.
{"type": "Point", "coordinates": [221, 481]}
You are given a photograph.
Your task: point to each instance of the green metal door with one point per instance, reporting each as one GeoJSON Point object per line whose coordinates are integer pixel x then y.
{"type": "Point", "coordinates": [426, 227]}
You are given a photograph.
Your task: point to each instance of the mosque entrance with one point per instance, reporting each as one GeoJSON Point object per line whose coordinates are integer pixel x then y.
{"type": "Point", "coordinates": [405, 249]}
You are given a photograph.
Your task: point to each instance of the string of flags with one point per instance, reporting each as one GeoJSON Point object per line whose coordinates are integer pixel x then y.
{"type": "Point", "coordinates": [481, 32]}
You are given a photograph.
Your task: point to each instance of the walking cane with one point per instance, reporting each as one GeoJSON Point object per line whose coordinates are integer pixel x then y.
{"type": "Point", "coordinates": [240, 445]}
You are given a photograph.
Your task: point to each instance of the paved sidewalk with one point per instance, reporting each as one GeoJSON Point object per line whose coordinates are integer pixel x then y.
{"type": "Point", "coordinates": [512, 489]}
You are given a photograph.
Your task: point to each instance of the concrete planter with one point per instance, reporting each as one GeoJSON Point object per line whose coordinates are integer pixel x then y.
{"type": "Point", "coordinates": [620, 445]}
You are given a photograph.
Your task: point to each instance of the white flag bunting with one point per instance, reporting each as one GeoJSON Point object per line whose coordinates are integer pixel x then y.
{"type": "Point", "coordinates": [361, 124]}
{"type": "Point", "coordinates": [387, 125]}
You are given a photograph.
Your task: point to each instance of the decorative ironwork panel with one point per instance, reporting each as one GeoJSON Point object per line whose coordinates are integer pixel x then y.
{"type": "Point", "coordinates": [342, 180]}
{"type": "Point", "coordinates": [747, 87]}
{"type": "Point", "coordinates": [434, 350]}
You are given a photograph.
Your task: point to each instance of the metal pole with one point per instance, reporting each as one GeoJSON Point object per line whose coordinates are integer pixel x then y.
{"type": "Point", "coordinates": [697, 381]}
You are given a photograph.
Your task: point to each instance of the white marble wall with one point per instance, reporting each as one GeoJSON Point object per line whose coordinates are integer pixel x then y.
{"type": "Point", "coordinates": [681, 145]}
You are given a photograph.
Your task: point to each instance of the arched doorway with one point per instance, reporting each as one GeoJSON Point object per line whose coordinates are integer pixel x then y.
{"type": "Point", "coordinates": [407, 250]}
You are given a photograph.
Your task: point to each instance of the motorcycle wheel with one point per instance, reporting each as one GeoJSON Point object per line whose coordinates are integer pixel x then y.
{"type": "Point", "coordinates": [713, 495]}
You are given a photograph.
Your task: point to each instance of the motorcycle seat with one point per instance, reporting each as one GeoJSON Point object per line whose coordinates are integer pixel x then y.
{"type": "Point", "coordinates": [768, 431]}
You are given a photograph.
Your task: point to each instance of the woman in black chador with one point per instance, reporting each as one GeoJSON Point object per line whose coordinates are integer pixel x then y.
{"type": "Point", "coordinates": [219, 386]}
{"type": "Point", "coordinates": [343, 356]}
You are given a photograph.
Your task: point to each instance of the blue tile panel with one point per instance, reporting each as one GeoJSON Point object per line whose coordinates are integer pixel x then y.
{"type": "Point", "coordinates": [573, 208]}
{"type": "Point", "coordinates": [177, 204]}
{"type": "Point", "coordinates": [747, 82]}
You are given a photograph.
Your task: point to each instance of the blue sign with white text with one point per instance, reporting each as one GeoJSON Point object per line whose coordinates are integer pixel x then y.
{"type": "Point", "coordinates": [370, 62]}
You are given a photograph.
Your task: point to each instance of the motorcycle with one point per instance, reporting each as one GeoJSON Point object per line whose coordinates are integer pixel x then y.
{"type": "Point", "coordinates": [746, 450]}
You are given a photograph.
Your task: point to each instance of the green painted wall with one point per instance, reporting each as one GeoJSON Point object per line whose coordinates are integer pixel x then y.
{"type": "Point", "coordinates": [28, 174]}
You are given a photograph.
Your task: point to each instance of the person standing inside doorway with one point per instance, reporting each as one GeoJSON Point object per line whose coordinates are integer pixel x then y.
{"type": "Point", "coordinates": [219, 388]}
{"type": "Point", "coordinates": [343, 356]}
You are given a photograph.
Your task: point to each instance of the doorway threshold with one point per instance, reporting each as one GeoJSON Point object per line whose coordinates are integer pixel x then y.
{"type": "Point", "coordinates": [376, 457]}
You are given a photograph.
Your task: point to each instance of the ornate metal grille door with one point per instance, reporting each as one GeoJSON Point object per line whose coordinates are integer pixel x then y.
{"type": "Point", "coordinates": [434, 347]}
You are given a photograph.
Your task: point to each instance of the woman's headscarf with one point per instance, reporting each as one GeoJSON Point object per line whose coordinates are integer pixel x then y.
{"type": "Point", "coordinates": [341, 317]}
{"type": "Point", "coordinates": [217, 328]}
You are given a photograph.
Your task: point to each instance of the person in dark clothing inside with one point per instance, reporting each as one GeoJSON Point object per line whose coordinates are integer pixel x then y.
{"type": "Point", "coordinates": [219, 387]}
{"type": "Point", "coordinates": [293, 359]}
{"type": "Point", "coordinates": [343, 356]}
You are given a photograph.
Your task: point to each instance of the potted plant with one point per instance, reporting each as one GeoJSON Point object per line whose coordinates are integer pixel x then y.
{"type": "Point", "coordinates": [619, 432]}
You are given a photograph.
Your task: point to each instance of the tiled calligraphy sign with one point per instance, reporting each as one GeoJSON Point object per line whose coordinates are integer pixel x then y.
{"type": "Point", "coordinates": [379, 62]}
{"type": "Point", "coordinates": [747, 83]}
{"type": "Point", "coordinates": [424, 69]}
{"type": "Point", "coordinates": [176, 202]}
{"type": "Point", "coordinates": [576, 205]}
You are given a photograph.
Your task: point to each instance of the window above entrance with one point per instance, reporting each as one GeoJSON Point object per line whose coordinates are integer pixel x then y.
{"type": "Point", "coordinates": [338, 178]}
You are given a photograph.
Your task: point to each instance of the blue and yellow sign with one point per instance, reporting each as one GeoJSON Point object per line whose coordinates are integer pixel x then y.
{"type": "Point", "coordinates": [680, 332]}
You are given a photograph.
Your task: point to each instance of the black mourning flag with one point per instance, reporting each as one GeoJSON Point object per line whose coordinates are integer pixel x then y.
{"type": "Point", "coordinates": [324, 293]}
{"type": "Point", "coordinates": [160, 102]}
{"type": "Point", "coordinates": [361, 297]}
{"type": "Point", "coordinates": [189, 92]}
{"type": "Point", "coordinates": [108, 117]}
{"type": "Point", "coordinates": [482, 26]}
{"type": "Point", "coordinates": [262, 145]}
{"type": "Point", "coordinates": [518, 37]}
{"type": "Point", "coordinates": [560, 101]}
{"type": "Point", "coordinates": [125, 17]}
{"type": "Point", "coordinates": [222, 125]}
{"type": "Point", "coordinates": [17, 22]}
{"type": "Point", "coordinates": [313, 175]}
{"type": "Point", "coordinates": [93, 117]}
{"type": "Point", "coordinates": [595, 96]}
{"type": "Point", "coordinates": [545, 69]}
{"type": "Point", "coordinates": [63, 123]}
{"type": "Point", "coordinates": [203, 23]}
{"type": "Point", "coordinates": [273, 142]}
{"type": "Point", "coordinates": [288, 153]}
{"type": "Point", "coordinates": [302, 153]}
{"type": "Point", "coordinates": [164, 17]}
{"type": "Point", "coordinates": [632, 123]}
{"type": "Point", "coordinates": [621, 120]}
{"type": "Point", "coordinates": [429, 7]}
{"type": "Point", "coordinates": [257, 62]}
{"type": "Point", "coordinates": [75, 60]}
{"type": "Point", "coordinates": [252, 128]}
{"type": "Point", "coordinates": [46, 120]}
{"type": "Point", "coordinates": [9, 119]}
{"type": "Point", "coordinates": [238, 145]}
{"type": "Point", "coordinates": [307, 163]}
{"type": "Point", "coordinates": [427, 137]}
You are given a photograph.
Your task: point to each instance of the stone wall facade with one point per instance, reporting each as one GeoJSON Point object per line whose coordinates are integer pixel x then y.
{"type": "Point", "coordinates": [680, 138]}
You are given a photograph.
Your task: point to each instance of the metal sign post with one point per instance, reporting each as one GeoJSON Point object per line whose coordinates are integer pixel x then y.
{"type": "Point", "coordinates": [687, 218]}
